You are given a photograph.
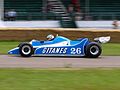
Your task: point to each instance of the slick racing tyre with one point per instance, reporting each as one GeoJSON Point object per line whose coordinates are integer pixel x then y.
{"type": "Point", "coordinates": [93, 50]}
{"type": "Point", "coordinates": [25, 49]}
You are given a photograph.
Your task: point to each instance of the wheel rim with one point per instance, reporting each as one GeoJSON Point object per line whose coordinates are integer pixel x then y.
{"type": "Point", "coordinates": [94, 50]}
{"type": "Point", "coordinates": [26, 49]}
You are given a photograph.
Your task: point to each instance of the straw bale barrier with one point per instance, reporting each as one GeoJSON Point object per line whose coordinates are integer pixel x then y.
{"type": "Point", "coordinates": [26, 34]}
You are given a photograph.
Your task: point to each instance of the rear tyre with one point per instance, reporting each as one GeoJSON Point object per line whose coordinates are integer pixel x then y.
{"type": "Point", "coordinates": [25, 49]}
{"type": "Point", "coordinates": [93, 50]}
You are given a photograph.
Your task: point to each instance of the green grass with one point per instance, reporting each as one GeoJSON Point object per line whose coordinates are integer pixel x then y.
{"type": "Point", "coordinates": [5, 46]}
{"type": "Point", "coordinates": [108, 49]}
{"type": "Point", "coordinates": [35, 79]}
{"type": "Point", "coordinates": [111, 49]}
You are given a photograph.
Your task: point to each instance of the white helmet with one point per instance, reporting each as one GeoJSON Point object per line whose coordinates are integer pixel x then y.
{"type": "Point", "coordinates": [50, 37]}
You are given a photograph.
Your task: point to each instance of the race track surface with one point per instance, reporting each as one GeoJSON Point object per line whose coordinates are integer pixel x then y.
{"type": "Point", "coordinates": [7, 61]}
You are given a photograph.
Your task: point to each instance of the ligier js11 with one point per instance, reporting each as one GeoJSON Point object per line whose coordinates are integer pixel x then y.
{"type": "Point", "coordinates": [61, 46]}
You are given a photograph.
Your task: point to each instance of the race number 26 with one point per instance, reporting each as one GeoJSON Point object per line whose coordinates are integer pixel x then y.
{"type": "Point", "coordinates": [75, 50]}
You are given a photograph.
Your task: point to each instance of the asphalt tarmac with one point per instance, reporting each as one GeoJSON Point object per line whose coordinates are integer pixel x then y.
{"type": "Point", "coordinates": [7, 61]}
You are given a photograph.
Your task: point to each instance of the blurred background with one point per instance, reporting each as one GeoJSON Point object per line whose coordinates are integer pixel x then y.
{"type": "Point", "coordinates": [60, 13]}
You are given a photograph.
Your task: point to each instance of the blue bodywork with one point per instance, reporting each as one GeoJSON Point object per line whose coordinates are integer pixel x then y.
{"type": "Point", "coordinates": [60, 46]}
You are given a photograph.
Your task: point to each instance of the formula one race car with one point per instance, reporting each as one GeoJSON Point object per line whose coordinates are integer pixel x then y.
{"type": "Point", "coordinates": [61, 46]}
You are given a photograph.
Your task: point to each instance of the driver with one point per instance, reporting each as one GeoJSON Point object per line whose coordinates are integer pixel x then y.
{"type": "Point", "coordinates": [50, 37]}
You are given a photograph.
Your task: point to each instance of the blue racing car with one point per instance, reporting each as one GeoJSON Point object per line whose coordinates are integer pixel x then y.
{"type": "Point", "coordinates": [61, 46]}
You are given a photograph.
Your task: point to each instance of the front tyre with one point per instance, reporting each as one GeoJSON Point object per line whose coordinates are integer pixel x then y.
{"type": "Point", "coordinates": [25, 49]}
{"type": "Point", "coordinates": [93, 50]}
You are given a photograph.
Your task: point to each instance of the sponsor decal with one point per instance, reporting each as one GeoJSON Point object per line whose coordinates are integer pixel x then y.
{"type": "Point", "coordinates": [54, 50]}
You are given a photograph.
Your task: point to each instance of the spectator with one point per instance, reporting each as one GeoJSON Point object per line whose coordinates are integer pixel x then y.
{"type": "Point", "coordinates": [71, 11]}
{"type": "Point", "coordinates": [74, 10]}
{"type": "Point", "coordinates": [78, 16]}
{"type": "Point", "coordinates": [76, 5]}
{"type": "Point", "coordinates": [11, 15]}
{"type": "Point", "coordinates": [115, 24]}
{"type": "Point", "coordinates": [70, 8]}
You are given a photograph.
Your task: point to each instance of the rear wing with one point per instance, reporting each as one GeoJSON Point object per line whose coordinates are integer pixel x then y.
{"type": "Point", "coordinates": [103, 39]}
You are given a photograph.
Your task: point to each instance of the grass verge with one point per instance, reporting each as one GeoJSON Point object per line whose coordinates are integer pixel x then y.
{"type": "Point", "coordinates": [111, 49]}
{"type": "Point", "coordinates": [108, 49]}
{"type": "Point", "coordinates": [5, 46]}
{"type": "Point", "coordinates": [35, 79]}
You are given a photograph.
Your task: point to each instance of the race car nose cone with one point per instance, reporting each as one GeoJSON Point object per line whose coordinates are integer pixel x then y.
{"type": "Point", "coordinates": [14, 51]}
{"type": "Point", "coordinates": [9, 52]}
